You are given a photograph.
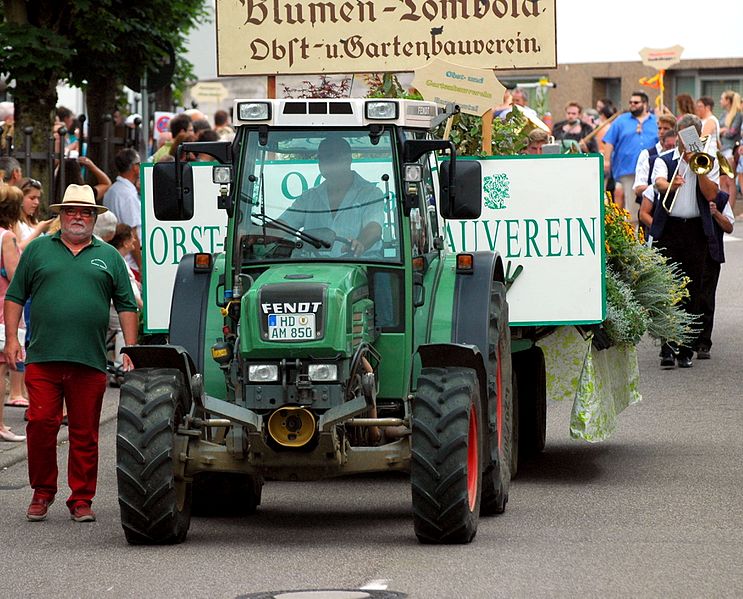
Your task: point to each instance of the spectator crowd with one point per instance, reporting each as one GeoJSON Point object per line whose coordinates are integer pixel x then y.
{"type": "Point", "coordinates": [24, 219]}
{"type": "Point", "coordinates": [680, 198]}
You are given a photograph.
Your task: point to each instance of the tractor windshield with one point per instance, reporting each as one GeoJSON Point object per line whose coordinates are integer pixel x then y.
{"type": "Point", "coordinates": [309, 195]}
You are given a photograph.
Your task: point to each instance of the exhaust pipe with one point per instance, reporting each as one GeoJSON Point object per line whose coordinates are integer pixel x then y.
{"type": "Point", "coordinates": [292, 426]}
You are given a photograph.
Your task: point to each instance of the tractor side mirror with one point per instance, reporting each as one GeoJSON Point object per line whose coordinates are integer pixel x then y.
{"type": "Point", "coordinates": [461, 195]}
{"type": "Point", "coordinates": [172, 196]}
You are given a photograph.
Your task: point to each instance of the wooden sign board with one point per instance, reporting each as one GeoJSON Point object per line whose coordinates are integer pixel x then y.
{"type": "Point", "coordinates": [274, 37]}
{"type": "Point", "coordinates": [474, 90]}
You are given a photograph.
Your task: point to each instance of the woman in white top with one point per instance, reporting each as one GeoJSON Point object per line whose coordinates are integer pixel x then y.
{"type": "Point", "coordinates": [710, 125]}
{"type": "Point", "coordinates": [29, 226]}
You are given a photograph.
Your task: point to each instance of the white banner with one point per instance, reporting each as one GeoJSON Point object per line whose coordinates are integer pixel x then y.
{"type": "Point", "coordinates": [542, 213]}
{"type": "Point", "coordinates": [166, 242]}
{"type": "Point", "coordinates": [545, 214]}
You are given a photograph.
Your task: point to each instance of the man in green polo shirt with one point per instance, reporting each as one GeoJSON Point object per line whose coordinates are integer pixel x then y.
{"type": "Point", "coordinates": [73, 277]}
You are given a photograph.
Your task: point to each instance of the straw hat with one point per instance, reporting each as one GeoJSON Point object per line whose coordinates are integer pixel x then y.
{"type": "Point", "coordinates": [78, 196]}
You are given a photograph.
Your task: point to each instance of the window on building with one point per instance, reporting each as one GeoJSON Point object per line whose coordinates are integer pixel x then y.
{"type": "Point", "coordinates": [714, 88]}
{"type": "Point", "coordinates": [685, 84]}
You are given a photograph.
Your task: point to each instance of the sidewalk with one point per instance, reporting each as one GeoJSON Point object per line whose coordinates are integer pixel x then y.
{"type": "Point", "coordinates": [12, 453]}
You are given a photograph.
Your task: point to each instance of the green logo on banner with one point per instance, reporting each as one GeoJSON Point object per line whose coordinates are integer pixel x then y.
{"type": "Point", "coordinates": [496, 188]}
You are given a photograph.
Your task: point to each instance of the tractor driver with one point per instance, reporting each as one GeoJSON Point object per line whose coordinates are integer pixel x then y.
{"type": "Point", "coordinates": [346, 203]}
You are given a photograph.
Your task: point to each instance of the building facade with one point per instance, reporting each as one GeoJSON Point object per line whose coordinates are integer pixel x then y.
{"type": "Point", "coordinates": [586, 83]}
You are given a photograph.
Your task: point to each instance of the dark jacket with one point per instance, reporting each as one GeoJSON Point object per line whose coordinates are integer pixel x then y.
{"type": "Point", "coordinates": [712, 231]}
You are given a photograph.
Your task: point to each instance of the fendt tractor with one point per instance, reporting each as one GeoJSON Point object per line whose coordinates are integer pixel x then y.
{"type": "Point", "coordinates": [335, 335]}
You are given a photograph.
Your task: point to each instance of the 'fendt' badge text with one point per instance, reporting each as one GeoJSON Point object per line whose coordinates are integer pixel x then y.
{"type": "Point", "coordinates": [290, 307]}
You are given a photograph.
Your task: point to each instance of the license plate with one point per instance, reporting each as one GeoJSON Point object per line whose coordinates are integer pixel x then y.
{"type": "Point", "coordinates": [291, 327]}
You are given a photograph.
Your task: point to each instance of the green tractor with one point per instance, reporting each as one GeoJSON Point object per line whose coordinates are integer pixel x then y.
{"type": "Point", "coordinates": [335, 334]}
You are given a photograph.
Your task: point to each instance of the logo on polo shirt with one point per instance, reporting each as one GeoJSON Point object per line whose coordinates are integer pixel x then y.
{"type": "Point", "coordinates": [99, 263]}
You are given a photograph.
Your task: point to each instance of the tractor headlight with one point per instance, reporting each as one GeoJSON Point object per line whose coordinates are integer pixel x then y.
{"type": "Point", "coordinates": [381, 110]}
{"type": "Point", "coordinates": [319, 373]}
{"type": "Point", "coordinates": [253, 111]}
{"type": "Point", "coordinates": [263, 373]}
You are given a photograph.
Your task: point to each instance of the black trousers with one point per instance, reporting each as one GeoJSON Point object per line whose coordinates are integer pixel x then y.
{"type": "Point", "coordinates": [707, 301]}
{"type": "Point", "coordinates": [683, 241]}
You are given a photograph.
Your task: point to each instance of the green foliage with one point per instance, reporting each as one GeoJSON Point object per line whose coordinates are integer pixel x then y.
{"type": "Point", "coordinates": [626, 320]}
{"type": "Point", "coordinates": [509, 136]}
{"type": "Point", "coordinates": [386, 85]}
{"type": "Point", "coordinates": [79, 40]}
{"type": "Point", "coordinates": [30, 51]}
{"type": "Point", "coordinates": [137, 33]}
{"type": "Point", "coordinates": [644, 290]}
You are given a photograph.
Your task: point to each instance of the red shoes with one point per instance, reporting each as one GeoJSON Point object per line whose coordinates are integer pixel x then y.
{"type": "Point", "coordinates": [38, 509]}
{"type": "Point", "coordinates": [81, 512]}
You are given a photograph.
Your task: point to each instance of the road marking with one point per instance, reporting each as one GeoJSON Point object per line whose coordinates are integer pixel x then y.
{"type": "Point", "coordinates": [378, 584]}
{"type": "Point", "coordinates": [729, 238]}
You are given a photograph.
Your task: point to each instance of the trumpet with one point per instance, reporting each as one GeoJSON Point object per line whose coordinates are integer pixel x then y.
{"type": "Point", "coordinates": [700, 163]}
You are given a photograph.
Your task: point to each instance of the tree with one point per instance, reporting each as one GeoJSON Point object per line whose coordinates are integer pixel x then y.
{"type": "Point", "coordinates": [94, 44]}
{"type": "Point", "coordinates": [138, 34]}
{"type": "Point", "coordinates": [35, 44]}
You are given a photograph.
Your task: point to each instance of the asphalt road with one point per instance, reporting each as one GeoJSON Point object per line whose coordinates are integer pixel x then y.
{"type": "Point", "coordinates": [656, 511]}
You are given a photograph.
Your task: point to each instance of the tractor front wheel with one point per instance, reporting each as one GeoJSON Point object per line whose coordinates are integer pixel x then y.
{"type": "Point", "coordinates": [155, 505]}
{"type": "Point", "coordinates": [447, 457]}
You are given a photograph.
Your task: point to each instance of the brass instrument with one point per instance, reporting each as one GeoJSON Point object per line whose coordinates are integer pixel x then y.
{"type": "Point", "coordinates": [530, 123]}
{"type": "Point", "coordinates": [700, 163]}
{"type": "Point", "coordinates": [725, 167]}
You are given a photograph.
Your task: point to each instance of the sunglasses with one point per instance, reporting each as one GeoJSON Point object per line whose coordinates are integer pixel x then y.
{"type": "Point", "coordinates": [84, 212]}
{"type": "Point", "coordinates": [30, 183]}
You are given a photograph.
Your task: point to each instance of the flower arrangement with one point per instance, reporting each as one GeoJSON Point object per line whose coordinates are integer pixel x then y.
{"type": "Point", "coordinates": [643, 290]}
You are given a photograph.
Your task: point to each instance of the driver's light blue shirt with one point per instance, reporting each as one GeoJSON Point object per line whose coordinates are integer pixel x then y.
{"type": "Point", "coordinates": [362, 204]}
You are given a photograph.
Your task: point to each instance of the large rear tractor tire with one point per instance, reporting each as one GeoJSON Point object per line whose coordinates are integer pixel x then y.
{"type": "Point", "coordinates": [532, 381]}
{"type": "Point", "coordinates": [155, 505]}
{"type": "Point", "coordinates": [447, 457]}
{"type": "Point", "coordinates": [496, 478]}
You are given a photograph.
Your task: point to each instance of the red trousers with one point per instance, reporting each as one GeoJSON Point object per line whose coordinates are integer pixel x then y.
{"type": "Point", "coordinates": [81, 388]}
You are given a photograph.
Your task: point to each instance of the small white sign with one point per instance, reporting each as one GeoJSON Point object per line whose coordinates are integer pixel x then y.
{"type": "Point", "coordinates": [691, 140]}
{"type": "Point", "coordinates": [661, 59]}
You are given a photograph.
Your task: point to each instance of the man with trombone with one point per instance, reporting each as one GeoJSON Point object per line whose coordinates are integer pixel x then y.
{"type": "Point", "coordinates": [686, 220]}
